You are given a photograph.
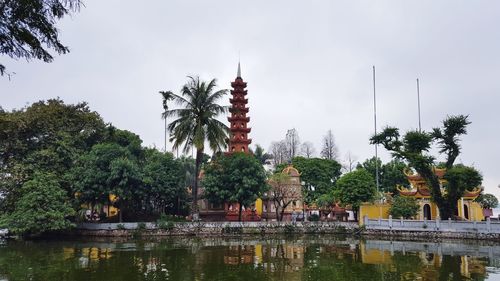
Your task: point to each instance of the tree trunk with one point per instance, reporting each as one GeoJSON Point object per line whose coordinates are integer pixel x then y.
{"type": "Point", "coordinates": [282, 213]}
{"type": "Point", "coordinates": [199, 158]}
{"type": "Point", "coordinates": [240, 210]}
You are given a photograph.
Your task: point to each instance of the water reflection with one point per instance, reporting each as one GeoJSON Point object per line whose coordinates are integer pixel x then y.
{"type": "Point", "coordinates": [299, 258]}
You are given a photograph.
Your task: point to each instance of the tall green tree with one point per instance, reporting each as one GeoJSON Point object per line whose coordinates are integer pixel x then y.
{"type": "Point", "coordinates": [390, 174]}
{"type": "Point", "coordinates": [166, 96]}
{"type": "Point", "coordinates": [43, 206]}
{"type": "Point", "coordinates": [164, 180]}
{"type": "Point", "coordinates": [414, 149]}
{"type": "Point", "coordinates": [46, 136]}
{"type": "Point", "coordinates": [238, 177]}
{"type": "Point", "coordinates": [28, 28]}
{"type": "Point", "coordinates": [263, 157]}
{"type": "Point", "coordinates": [107, 169]}
{"type": "Point", "coordinates": [487, 201]}
{"type": "Point", "coordinates": [196, 123]}
{"type": "Point", "coordinates": [356, 187]}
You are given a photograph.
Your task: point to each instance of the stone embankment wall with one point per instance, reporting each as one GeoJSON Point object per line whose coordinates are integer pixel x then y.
{"type": "Point", "coordinates": [212, 228]}
{"type": "Point", "coordinates": [431, 229]}
{"type": "Point", "coordinates": [402, 229]}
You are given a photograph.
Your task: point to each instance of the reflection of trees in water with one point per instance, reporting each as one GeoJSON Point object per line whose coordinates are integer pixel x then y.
{"type": "Point", "coordinates": [450, 268]}
{"type": "Point", "coordinates": [218, 259]}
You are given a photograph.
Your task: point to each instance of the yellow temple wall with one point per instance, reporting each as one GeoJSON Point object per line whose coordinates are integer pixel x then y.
{"type": "Point", "coordinates": [373, 211]}
{"type": "Point", "coordinates": [258, 206]}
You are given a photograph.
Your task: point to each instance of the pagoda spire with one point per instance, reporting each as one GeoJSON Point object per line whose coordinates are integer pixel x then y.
{"type": "Point", "coordinates": [239, 130]}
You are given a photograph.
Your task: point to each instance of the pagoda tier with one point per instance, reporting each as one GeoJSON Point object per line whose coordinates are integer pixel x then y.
{"type": "Point", "coordinates": [237, 108]}
{"type": "Point", "coordinates": [238, 140]}
{"type": "Point", "coordinates": [238, 100]}
{"type": "Point", "coordinates": [238, 118]}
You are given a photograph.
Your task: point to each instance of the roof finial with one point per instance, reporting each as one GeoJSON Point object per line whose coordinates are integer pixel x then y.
{"type": "Point", "coordinates": [238, 75]}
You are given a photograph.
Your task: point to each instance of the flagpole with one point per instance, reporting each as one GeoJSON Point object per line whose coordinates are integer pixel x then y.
{"type": "Point", "coordinates": [418, 98]}
{"type": "Point", "coordinates": [375, 127]}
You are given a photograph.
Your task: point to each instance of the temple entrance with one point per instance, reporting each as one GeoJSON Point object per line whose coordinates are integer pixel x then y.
{"type": "Point", "coordinates": [427, 212]}
{"type": "Point", "coordinates": [466, 212]}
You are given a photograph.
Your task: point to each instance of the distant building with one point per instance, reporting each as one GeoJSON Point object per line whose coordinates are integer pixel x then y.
{"type": "Point", "coordinates": [467, 208]}
{"type": "Point", "coordinates": [290, 191]}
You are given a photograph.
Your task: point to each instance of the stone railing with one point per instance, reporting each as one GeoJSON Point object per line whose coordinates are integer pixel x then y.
{"type": "Point", "coordinates": [485, 227]}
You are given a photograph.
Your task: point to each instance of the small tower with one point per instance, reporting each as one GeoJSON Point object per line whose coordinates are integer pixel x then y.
{"type": "Point", "coordinates": [238, 140]}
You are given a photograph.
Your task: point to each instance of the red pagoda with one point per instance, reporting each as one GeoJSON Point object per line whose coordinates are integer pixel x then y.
{"type": "Point", "coordinates": [238, 139]}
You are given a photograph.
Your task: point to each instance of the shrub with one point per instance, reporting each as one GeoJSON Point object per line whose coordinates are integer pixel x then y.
{"type": "Point", "coordinates": [232, 230]}
{"type": "Point", "coordinates": [405, 207]}
{"type": "Point", "coordinates": [166, 225]}
{"type": "Point", "coordinates": [120, 226]}
{"type": "Point", "coordinates": [141, 226]}
{"type": "Point", "coordinates": [313, 217]}
{"type": "Point", "coordinates": [290, 228]}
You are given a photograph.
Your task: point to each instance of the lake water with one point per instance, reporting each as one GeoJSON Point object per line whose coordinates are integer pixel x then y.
{"type": "Point", "coordinates": [322, 257]}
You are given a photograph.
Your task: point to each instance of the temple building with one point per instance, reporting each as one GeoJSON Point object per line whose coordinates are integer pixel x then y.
{"type": "Point", "coordinates": [290, 192]}
{"type": "Point", "coordinates": [467, 208]}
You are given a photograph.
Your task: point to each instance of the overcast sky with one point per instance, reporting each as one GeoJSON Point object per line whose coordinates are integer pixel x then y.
{"type": "Point", "coordinates": [308, 65]}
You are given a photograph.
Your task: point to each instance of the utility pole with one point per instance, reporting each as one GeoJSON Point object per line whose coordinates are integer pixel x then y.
{"type": "Point", "coordinates": [375, 123]}
{"type": "Point", "coordinates": [418, 99]}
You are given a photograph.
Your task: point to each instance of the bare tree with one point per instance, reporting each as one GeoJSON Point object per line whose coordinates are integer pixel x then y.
{"type": "Point", "coordinates": [283, 193]}
{"type": "Point", "coordinates": [329, 150]}
{"type": "Point", "coordinates": [279, 152]}
{"type": "Point", "coordinates": [307, 149]}
{"type": "Point", "coordinates": [349, 162]}
{"type": "Point", "coordinates": [292, 142]}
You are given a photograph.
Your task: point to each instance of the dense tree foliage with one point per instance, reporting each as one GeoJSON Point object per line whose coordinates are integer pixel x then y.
{"type": "Point", "coordinates": [356, 187]}
{"type": "Point", "coordinates": [390, 174]}
{"type": "Point", "coordinates": [197, 123]}
{"type": "Point", "coordinates": [487, 201]}
{"type": "Point", "coordinates": [42, 206]}
{"type": "Point", "coordinates": [414, 149]}
{"type": "Point", "coordinates": [164, 180]}
{"type": "Point", "coordinates": [319, 175]}
{"type": "Point", "coordinates": [404, 207]}
{"type": "Point", "coordinates": [46, 136]}
{"type": "Point", "coordinates": [107, 169]}
{"type": "Point", "coordinates": [92, 164]}
{"type": "Point", "coordinates": [27, 28]}
{"type": "Point", "coordinates": [237, 177]}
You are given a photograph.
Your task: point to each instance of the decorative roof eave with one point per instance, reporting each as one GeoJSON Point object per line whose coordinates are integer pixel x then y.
{"type": "Point", "coordinates": [472, 194]}
{"type": "Point", "coordinates": [240, 130]}
{"type": "Point", "coordinates": [238, 118]}
{"type": "Point", "coordinates": [238, 83]}
{"type": "Point", "coordinates": [238, 110]}
{"type": "Point", "coordinates": [291, 171]}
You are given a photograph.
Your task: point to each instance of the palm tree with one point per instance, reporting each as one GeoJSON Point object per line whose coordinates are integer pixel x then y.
{"type": "Point", "coordinates": [196, 123]}
{"type": "Point", "coordinates": [166, 96]}
{"type": "Point", "coordinates": [264, 158]}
